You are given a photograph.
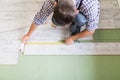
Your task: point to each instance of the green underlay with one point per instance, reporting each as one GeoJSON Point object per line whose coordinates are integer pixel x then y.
{"type": "Point", "coordinates": [63, 68]}
{"type": "Point", "coordinates": [107, 35]}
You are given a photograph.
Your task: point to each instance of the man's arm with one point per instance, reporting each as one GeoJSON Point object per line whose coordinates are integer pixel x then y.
{"type": "Point", "coordinates": [31, 30]}
{"type": "Point", "coordinates": [92, 10]}
{"type": "Point", "coordinates": [82, 34]}
{"type": "Point", "coordinates": [40, 17]}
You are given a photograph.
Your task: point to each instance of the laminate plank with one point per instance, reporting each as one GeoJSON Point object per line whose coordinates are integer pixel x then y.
{"type": "Point", "coordinates": [75, 49]}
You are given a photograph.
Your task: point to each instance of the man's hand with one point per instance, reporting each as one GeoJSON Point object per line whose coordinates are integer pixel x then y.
{"type": "Point", "coordinates": [82, 34]}
{"type": "Point", "coordinates": [31, 30]}
{"type": "Point", "coordinates": [69, 40]}
{"type": "Point", "coordinates": [25, 38]}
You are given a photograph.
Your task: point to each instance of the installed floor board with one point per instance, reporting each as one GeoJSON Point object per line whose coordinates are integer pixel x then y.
{"type": "Point", "coordinates": [119, 3]}
{"type": "Point", "coordinates": [75, 49]}
{"type": "Point", "coordinates": [17, 15]}
{"type": "Point", "coordinates": [9, 50]}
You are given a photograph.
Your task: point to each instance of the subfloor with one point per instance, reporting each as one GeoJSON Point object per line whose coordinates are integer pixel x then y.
{"type": "Point", "coordinates": [15, 19]}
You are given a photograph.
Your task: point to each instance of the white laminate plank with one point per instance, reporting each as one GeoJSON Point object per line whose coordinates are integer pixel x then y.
{"type": "Point", "coordinates": [17, 15]}
{"type": "Point", "coordinates": [103, 24]}
{"type": "Point", "coordinates": [74, 49]}
{"type": "Point", "coordinates": [20, 6]}
{"type": "Point", "coordinates": [119, 3]}
{"type": "Point", "coordinates": [109, 4]}
{"type": "Point", "coordinates": [9, 51]}
{"type": "Point", "coordinates": [21, 1]}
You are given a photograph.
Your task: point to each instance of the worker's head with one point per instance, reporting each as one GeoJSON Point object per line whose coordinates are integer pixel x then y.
{"type": "Point", "coordinates": [64, 12]}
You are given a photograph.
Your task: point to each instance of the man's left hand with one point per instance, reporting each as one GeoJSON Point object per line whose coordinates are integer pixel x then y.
{"type": "Point", "coordinates": [69, 40]}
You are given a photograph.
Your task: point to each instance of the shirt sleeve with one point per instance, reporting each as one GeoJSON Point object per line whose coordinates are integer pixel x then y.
{"type": "Point", "coordinates": [45, 11]}
{"type": "Point", "coordinates": [91, 9]}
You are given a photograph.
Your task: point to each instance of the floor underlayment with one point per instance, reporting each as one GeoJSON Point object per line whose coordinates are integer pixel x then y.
{"type": "Point", "coordinates": [106, 35]}
{"type": "Point", "coordinates": [17, 15]}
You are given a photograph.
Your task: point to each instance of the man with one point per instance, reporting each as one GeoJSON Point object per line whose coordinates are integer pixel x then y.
{"type": "Point", "coordinates": [76, 12]}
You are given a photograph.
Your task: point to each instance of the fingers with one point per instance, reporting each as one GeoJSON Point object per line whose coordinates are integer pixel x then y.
{"type": "Point", "coordinates": [25, 38]}
{"type": "Point", "coordinates": [68, 41]}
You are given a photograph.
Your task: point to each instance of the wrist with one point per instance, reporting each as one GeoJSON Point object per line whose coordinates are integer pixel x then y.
{"type": "Point", "coordinates": [73, 38]}
{"type": "Point", "coordinates": [28, 35]}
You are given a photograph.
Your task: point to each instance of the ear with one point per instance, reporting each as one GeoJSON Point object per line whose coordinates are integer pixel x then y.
{"type": "Point", "coordinates": [77, 11]}
{"type": "Point", "coordinates": [55, 3]}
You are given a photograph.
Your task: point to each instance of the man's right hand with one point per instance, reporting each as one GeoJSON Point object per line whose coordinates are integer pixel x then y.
{"type": "Point", "coordinates": [25, 38]}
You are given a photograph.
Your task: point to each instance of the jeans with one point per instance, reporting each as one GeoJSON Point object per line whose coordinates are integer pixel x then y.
{"type": "Point", "coordinates": [79, 21]}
